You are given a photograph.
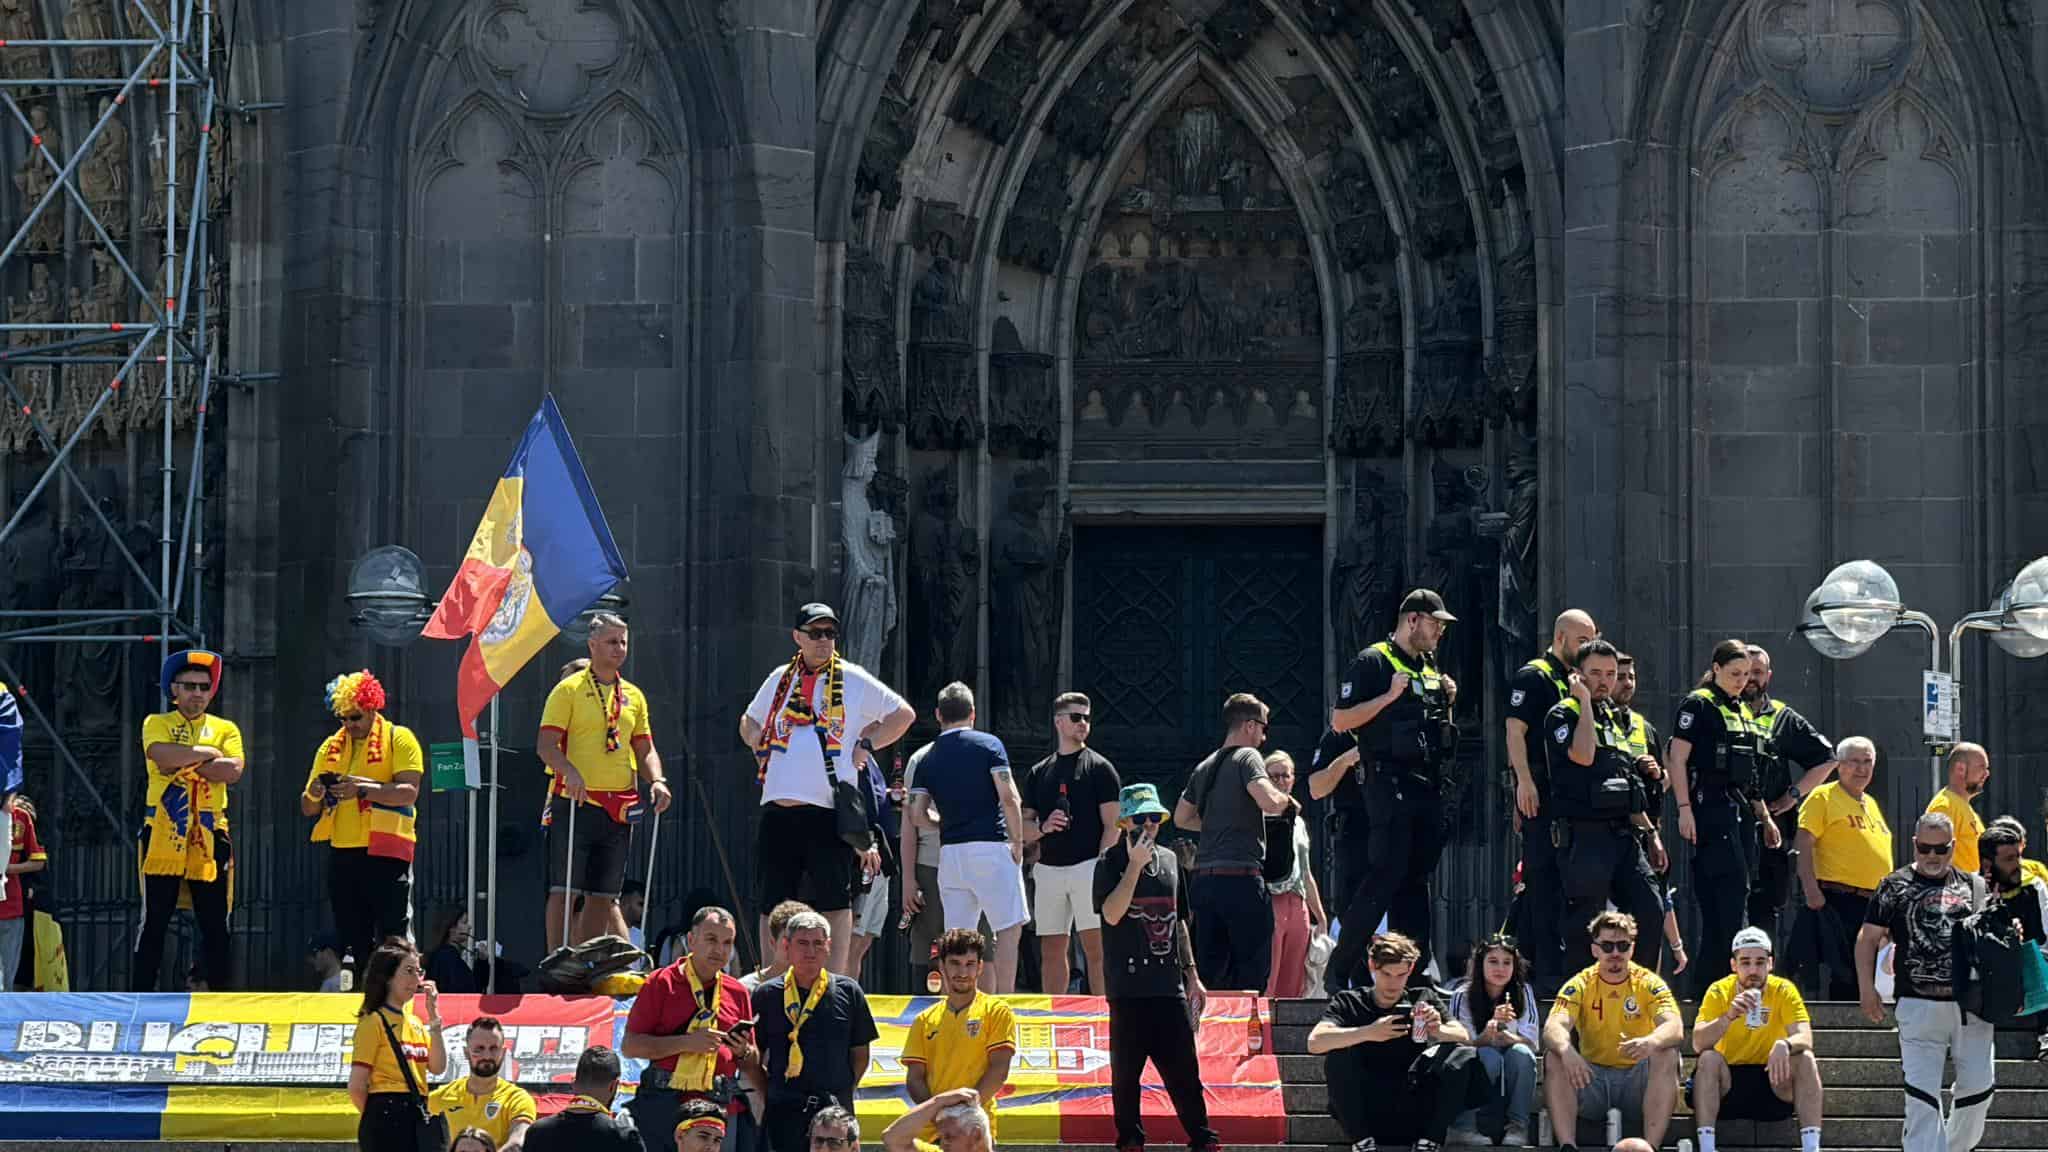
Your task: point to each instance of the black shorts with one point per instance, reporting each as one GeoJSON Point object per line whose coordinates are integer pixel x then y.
{"type": "Point", "coordinates": [1749, 1096]}
{"type": "Point", "coordinates": [798, 855]}
{"type": "Point", "coordinates": [601, 847]}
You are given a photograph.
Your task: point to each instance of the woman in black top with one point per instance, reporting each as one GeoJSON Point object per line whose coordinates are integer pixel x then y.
{"type": "Point", "coordinates": [1713, 756]}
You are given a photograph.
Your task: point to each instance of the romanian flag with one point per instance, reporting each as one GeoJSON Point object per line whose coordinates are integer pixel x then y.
{"type": "Point", "coordinates": [541, 555]}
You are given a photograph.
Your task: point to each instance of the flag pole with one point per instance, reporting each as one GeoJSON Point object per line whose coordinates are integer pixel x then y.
{"type": "Point", "coordinates": [470, 887]}
{"type": "Point", "coordinates": [491, 878]}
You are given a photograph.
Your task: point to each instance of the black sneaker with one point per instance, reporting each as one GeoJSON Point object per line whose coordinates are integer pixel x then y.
{"type": "Point", "coordinates": [2041, 1047]}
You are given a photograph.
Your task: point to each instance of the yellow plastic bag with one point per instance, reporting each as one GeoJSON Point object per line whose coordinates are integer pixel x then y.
{"type": "Point", "coordinates": [53, 971]}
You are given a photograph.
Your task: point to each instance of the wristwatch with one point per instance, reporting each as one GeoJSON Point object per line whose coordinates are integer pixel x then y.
{"type": "Point", "coordinates": [866, 745]}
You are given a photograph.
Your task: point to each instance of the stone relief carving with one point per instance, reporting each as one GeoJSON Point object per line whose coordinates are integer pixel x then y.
{"type": "Point", "coordinates": [95, 577]}
{"type": "Point", "coordinates": [103, 177]}
{"type": "Point", "coordinates": [34, 383]}
{"type": "Point", "coordinates": [1023, 418]}
{"type": "Point", "coordinates": [18, 22]}
{"type": "Point", "coordinates": [1334, 17]}
{"type": "Point", "coordinates": [1359, 219]}
{"type": "Point", "coordinates": [1085, 115]}
{"type": "Point", "coordinates": [943, 406]}
{"type": "Point", "coordinates": [1518, 552]}
{"type": "Point", "coordinates": [89, 20]}
{"type": "Point", "coordinates": [1511, 373]}
{"type": "Point", "coordinates": [1026, 612]}
{"type": "Point", "coordinates": [947, 572]}
{"type": "Point", "coordinates": [1443, 221]}
{"type": "Point", "coordinates": [948, 18]}
{"type": "Point", "coordinates": [1234, 26]}
{"type": "Point", "coordinates": [1447, 20]}
{"type": "Point", "coordinates": [1499, 150]}
{"type": "Point", "coordinates": [872, 392]}
{"type": "Point", "coordinates": [1366, 574]}
{"type": "Point", "coordinates": [888, 142]}
{"type": "Point", "coordinates": [868, 535]}
{"type": "Point", "coordinates": [551, 58]}
{"type": "Point", "coordinates": [1831, 56]}
{"type": "Point", "coordinates": [1368, 418]}
{"type": "Point", "coordinates": [1450, 408]}
{"type": "Point", "coordinates": [1031, 234]}
{"type": "Point", "coordinates": [1400, 102]}
{"type": "Point", "coordinates": [1201, 310]}
{"type": "Point", "coordinates": [991, 98]}
{"type": "Point", "coordinates": [1062, 18]}
{"type": "Point", "coordinates": [35, 178]}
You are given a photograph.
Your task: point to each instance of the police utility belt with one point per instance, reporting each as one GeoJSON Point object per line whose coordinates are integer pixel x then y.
{"type": "Point", "coordinates": [1740, 757]}
{"type": "Point", "coordinates": [1421, 733]}
{"type": "Point", "coordinates": [1608, 790]}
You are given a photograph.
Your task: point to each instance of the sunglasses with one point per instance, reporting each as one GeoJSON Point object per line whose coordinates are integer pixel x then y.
{"type": "Point", "coordinates": [1499, 940]}
{"type": "Point", "coordinates": [1933, 849]}
{"type": "Point", "coordinates": [1078, 717]}
{"type": "Point", "coordinates": [192, 685]}
{"type": "Point", "coordinates": [1147, 818]}
{"type": "Point", "coordinates": [834, 1142]}
{"type": "Point", "coordinates": [821, 633]}
{"type": "Point", "coordinates": [352, 718]}
{"type": "Point", "coordinates": [1613, 946]}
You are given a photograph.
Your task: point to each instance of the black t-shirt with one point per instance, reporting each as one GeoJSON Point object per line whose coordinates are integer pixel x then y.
{"type": "Point", "coordinates": [1091, 781]}
{"type": "Point", "coordinates": [584, 1132]}
{"type": "Point", "coordinates": [1356, 1008]}
{"type": "Point", "coordinates": [1349, 794]}
{"type": "Point", "coordinates": [1532, 693]}
{"type": "Point", "coordinates": [840, 1023]}
{"type": "Point", "coordinates": [1794, 741]}
{"type": "Point", "coordinates": [1370, 675]}
{"type": "Point", "coordinates": [1922, 914]}
{"type": "Point", "coordinates": [1138, 952]}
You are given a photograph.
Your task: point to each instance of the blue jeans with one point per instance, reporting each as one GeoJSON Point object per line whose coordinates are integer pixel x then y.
{"type": "Point", "coordinates": [1513, 1073]}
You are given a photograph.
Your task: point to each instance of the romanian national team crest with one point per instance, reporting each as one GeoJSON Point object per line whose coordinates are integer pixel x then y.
{"type": "Point", "coordinates": [1630, 1006]}
{"type": "Point", "coordinates": [973, 1029]}
{"type": "Point", "coordinates": [491, 1110]}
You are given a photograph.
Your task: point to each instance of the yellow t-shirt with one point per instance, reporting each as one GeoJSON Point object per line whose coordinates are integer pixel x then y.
{"type": "Point", "coordinates": [577, 709]}
{"type": "Point", "coordinates": [372, 1050]}
{"type": "Point", "coordinates": [1741, 1044]}
{"type": "Point", "coordinates": [1851, 842]}
{"type": "Point", "coordinates": [955, 1047]}
{"type": "Point", "coordinates": [1968, 825]}
{"type": "Point", "coordinates": [496, 1113]}
{"type": "Point", "coordinates": [172, 728]}
{"type": "Point", "coordinates": [1607, 1014]}
{"type": "Point", "coordinates": [351, 824]}
{"type": "Point", "coordinates": [2032, 870]}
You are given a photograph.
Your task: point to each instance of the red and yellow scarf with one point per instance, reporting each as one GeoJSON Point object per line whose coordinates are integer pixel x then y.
{"type": "Point", "coordinates": [792, 710]}
{"type": "Point", "coordinates": [392, 828]}
{"type": "Point", "coordinates": [181, 830]}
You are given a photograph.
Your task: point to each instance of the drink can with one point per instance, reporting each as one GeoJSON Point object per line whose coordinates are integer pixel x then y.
{"type": "Point", "coordinates": [1755, 1019]}
{"type": "Point", "coordinates": [1418, 1031]}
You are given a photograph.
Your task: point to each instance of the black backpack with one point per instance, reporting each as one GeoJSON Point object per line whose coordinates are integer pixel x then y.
{"type": "Point", "coordinates": [1990, 959]}
{"type": "Point", "coordinates": [1279, 862]}
{"type": "Point", "coordinates": [575, 970]}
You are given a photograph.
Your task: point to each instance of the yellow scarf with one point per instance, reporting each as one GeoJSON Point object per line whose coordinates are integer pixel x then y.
{"type": "Point", "coordinates": [696, 1070]}
{"type": "Point", "coordinates": [587, 1106]}
{"type": "Point", "coordinates": [181, 830]}
{"type": "Point", "coordinates": [798, 1006]}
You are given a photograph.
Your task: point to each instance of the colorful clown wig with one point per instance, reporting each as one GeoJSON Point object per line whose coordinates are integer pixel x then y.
{"type": "Point", "coordinates": [355, 691]}
{"type": "Point", "coordinates": [207, 662]}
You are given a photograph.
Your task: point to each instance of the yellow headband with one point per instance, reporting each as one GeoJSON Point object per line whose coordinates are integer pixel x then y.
{"type": "Point", "coordinates": [702, 1122]}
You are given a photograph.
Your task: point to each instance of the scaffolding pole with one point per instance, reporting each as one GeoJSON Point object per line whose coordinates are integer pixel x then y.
{"type": "Point", "coordinates": [171, 43]}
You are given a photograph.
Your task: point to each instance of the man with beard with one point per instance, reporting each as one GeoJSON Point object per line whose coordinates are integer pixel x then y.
{"type": "Point", "coordinates": [690, 1022]}
{"type": "Point", "coordinates": [1969, 770]}
{"type": "Point", "coordinates": [1646, 744]}
{"type": "Point", "coordinates": [967, 1039]}
{"type": "Point", "coordinates": [1845, 851]}
{"type": "Point", "coordinates": [2021, 899]}
{"type": "Point", "coordinates": [1399, 704]}
{"type": "Point", "coordinates": [194, 757]}
{"type": "Point", "coordinates": [1789, 739]}
{"type": "Point", "coordinates": [1628, 1030]}
{"type": "Point", "coordinates": [485, 1099]}
{"type": "Point", "coordinates": [1533, 691]}
{"type": "Point", "coordinates": [1920, 908]}
{"type": "Point", "coordinates": [1597, 800]}
{"type": "Point", "coordinates": [1755, 1043]}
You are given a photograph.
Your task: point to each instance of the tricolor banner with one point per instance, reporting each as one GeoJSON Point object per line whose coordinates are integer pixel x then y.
{"type": "Point", "coordinates": [275, 1067]}
{"type": "Point", "coordinates": [541, 555]}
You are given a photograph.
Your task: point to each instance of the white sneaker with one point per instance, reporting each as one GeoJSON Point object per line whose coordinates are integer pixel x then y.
{"type": "Point", "coordinates": [1516, 1136]}
{"type": "Point", "coordinates": [1466, 1137]}
{"type": "Point", "coordinates": [1366, 1145]}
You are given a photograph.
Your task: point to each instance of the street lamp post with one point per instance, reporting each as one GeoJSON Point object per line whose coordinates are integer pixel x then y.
{"type": "Point", "coordinates": [1858, 603]}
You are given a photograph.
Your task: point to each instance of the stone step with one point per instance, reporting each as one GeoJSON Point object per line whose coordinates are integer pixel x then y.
{"type": "Point", "coordinates": [1843, 1103]}
{"type": "Point", "coordinates": [1864, 1133]}
{"type": "Point", "coordinates": [1871, 1043]}
{"type": "Point", "coordinates": [1836, 1072]}
{"type": "Point", "coordinates": [1826, 1014]}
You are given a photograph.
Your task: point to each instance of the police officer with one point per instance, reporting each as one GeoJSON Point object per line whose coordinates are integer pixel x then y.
{"type": "Point", "coordinates": [1597, 800]}
{"type": "Point", "coordinates": [1789, 739]}
{"type": "Point", "coordinates": [1533, 691]}
{"type": "Point", "coordinates": [1646, 747]}
{"type": "Point", "coordinates": [1399, 704]}
{"type": "Point", "coordinates": [1716, 756]}
{"type": "Point", "coordinates": [1335, 774]}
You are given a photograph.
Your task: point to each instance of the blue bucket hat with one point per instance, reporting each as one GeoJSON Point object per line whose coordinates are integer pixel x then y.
{"type": "Point", "coordinates": [1139, 800]}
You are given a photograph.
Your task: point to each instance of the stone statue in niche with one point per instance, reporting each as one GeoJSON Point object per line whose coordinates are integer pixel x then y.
{"type": "Point", "coordinates": [1084, 116]}
{"type": "Point", "coordinates": [1450, 380]}
{"type": "Point", "coordinates": [36, 383]}
{"type": "Point", "coordinates": [1511, 374]}
{"type": "Point", "coordinates": [103, 178]}
{"type": "Point", "coordinates": [18, 22]}
{"type": "Point", "coordinates": [991, 98]}
{"type": "Point", "coordinates": [1368, 417]}
{"type": "Point", "coordinates": [1364, 237]}
{"type": "Point", "coordinates": [943, 410]}
{"type": "Point", "coordinates": [1455, 315]}
{"type": "Point", "coordinates": [1518, 552]}
{"type": "Point", "coordinates": [1024, 619]}
{"type": "Point", "coordinates": [1452, 563]}
{"type": "Point", "coordinates": [872, 389]}
{"type": "Point", "coordinates": [88, 20]}
{"type": "Point", "coordinates": [1365, 577]}
{"type": "Point", "coordinates": [869, 537]}
{"type": "Point", "coordinates": [1062, 18]}
{"type": "Point", "coordinates": [29, 578]}
{"type": "Point", "coordinates": [35, 178]}
{"type": "Point", "coordinates": [1022, 417]}
{"type": "Point", "coordinates": [1198, 143]}
{"type": "Point", "coordinates": [1235, 26]}
{"type": "Point", "coordinates": [1033, 232]}
{"type": "Point", "coordinates": [1399, 98]}
{"type": "Point", "coordinates": [948, 570]}
{"type": "Point", "coordinates": [95, 577]}
{"type": "Point", "coordinates": [888, 141]}
{"type": "Point", "coordinates": [1443, 221]}
{"type": "Point", "coordinates": [938, 312]}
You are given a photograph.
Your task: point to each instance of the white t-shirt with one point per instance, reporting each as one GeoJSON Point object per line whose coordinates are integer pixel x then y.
{"type": "Point", "coordinates": [799, 774]}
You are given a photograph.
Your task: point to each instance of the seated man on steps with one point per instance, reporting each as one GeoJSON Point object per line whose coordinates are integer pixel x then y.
{"type": "Point", "coordinates": [1397, 1068]}
{"type": "Point", "coordinates": [1755, 1043]}
{"type": "Point", "coordinates": [1629, 1031]}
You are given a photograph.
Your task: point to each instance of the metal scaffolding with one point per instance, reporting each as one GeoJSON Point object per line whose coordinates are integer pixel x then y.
{"type": "Point", "coordinates": [167, 70]}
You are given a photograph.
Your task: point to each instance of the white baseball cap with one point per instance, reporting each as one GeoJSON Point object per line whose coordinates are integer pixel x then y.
{"type": "Point", "coordinates": [1752, 938]}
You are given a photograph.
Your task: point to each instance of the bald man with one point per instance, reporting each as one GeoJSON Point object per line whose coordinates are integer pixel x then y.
{"type": "Point", "coordinates": [1969, 770]}
{"type": "Point", "coordinates": [1533, 691]}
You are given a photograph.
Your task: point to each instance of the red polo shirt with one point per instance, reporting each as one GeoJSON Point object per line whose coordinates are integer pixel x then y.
{"type": "Point", "coordinates": [665, 1007]}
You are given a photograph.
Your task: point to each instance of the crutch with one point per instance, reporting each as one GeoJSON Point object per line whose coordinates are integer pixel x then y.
{"type": "Point", "coordinates": [647, 895]}
{"type": "Point", "coordinates": [569, 875]}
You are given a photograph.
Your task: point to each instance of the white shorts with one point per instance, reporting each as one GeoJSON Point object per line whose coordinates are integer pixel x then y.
{"type": "Point", "coordinates": [980, 879]}
{"type": "Point", "coordinates": [1065, 902]}
{"type": "Point", "coordinates": [871, 910]}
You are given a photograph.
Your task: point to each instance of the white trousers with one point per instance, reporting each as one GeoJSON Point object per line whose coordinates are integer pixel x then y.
{"type": "Point", "coordinates": [1929, 1032]}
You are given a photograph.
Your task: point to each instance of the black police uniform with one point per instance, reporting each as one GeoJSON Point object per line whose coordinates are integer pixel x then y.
{"type": "Point", "coordinates": [1722, 774]}
{"type": "Point", "coordinates": [1789, 739]}
{"type": "Point", "coordinates": [1597, 804]}
{"type": "Point", "coordinates": [1345, 827]}
{"type": "Point", "coordinates": [1533, 691]}
{"type": "Point", "coordinates": [1407, 745]}
{"type": "Point", "coordinates": [1642, 739]}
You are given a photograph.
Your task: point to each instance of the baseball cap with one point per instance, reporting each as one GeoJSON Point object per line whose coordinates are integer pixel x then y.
{"type": "Point", "coordinates": [1139, 800]}
{"type": "Point", "coordinates": [811, 613]}
{"type": "Point", "coordinates": [1427, 601]}
{"type": "Point", "coordinates": [324, 942]}
{"type": "Point", "coordinates": [1752, 938]}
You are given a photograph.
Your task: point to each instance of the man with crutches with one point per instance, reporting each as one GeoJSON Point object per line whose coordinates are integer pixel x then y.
{"type": "Point", "coordinates": [596, 738]}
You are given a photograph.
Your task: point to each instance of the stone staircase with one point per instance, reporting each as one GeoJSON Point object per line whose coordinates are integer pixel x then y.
{"type": "Point", "coordinates": [1859, 1066]}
